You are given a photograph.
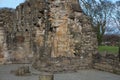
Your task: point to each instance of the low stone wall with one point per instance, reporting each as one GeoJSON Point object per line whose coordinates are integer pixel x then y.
{"type": "Point", "coordinates": [108, 62]}
{"type": "Point", "coordinates": [63, 64]}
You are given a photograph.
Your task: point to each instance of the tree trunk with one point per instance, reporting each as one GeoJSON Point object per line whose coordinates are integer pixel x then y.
{"type": "Point", "coordinates": [119, 53]}
{"type": "Point", "coordinates": [46, 77]}
{"type": "Point", "coordinates": [99, 38]}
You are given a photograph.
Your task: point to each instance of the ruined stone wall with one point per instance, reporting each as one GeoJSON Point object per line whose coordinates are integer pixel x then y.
{"type": "Point", "coordinates": [6, 22]}
{"type": "Point", "coordinates": [69, 32]}
{"type": "Point", "coordinates": [71, 39]}
{"type": "Point", "coordinates": [73, 31]}
{"type": "Point", "coordinates": [106, 62]}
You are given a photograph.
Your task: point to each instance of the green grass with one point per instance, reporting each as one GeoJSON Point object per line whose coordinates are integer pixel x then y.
{"type": "Point", "coordinates": [109, 49]}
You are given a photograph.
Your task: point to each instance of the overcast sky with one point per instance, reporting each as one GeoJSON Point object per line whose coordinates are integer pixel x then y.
{"type": "Point", "coordinates": [14, 3]}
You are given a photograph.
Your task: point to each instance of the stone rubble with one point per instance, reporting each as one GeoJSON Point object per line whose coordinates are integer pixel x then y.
{"type": "Point", "coordinates": [22, 71]}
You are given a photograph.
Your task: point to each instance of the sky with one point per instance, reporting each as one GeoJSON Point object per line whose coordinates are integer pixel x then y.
{"type": "Point", "coordinates": [10, 3]}
{"type": "Point", "coordinates": [14, 3]}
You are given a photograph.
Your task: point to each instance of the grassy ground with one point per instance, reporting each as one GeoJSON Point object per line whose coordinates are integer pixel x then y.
{"type": "Point", "coordinates": [109, 49]}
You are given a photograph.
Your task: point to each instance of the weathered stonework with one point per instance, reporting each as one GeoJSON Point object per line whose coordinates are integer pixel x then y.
{"type": "Point", "coordinates": [69, 33]}
{"type": "Point", "coordinates": [106, 62]}
{"type": "Point", "coordinates": [6, 22]}
{"type": "Point", "coordinates": [71, 41]}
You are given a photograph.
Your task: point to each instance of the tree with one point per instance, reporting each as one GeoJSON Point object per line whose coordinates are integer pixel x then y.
{"type": "Point", "coordinates": [99, 12]}
{"type": "Point", "coordinates": [118, 14]}
{"type": "Point", "coordinates": [118, 21]}
{"type": "Point", "coordinates": [115, 18]}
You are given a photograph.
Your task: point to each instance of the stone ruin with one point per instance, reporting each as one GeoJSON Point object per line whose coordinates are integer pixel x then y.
{"type": "Point", "coordinates": [52, 34]}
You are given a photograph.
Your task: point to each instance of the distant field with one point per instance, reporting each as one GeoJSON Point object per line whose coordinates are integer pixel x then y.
{"type": "Point", "coordinates": [109, 49]}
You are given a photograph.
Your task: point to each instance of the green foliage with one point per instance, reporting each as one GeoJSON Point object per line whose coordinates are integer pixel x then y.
{"type": "Point", "coordinates": [109, 49]}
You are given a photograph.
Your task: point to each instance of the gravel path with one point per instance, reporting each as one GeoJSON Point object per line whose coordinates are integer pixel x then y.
{"type": "Point", "coordinates": [80, 75]}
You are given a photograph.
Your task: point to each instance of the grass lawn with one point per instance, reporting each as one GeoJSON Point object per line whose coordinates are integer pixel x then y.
{"type": "Point", "coordinates": [109, 49]}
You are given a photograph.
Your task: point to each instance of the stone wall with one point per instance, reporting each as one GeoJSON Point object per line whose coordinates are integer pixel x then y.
{"type": "Point", "coordinates": [107, 62]}
{"type": "Point", "coordinates": [6, 22]}
{"type": "Point", "coordinates": [70, 39]}
{"type": "Point", "coordinates": [69, 31]}
{"type": "Point", "coordinates": [62, 64]}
